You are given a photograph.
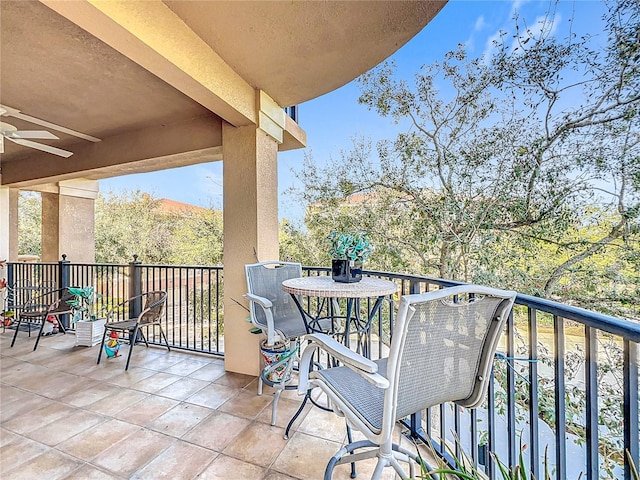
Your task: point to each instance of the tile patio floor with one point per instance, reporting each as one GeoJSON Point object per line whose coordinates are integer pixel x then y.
{"type": "Point", "coordinates": [172, 415]}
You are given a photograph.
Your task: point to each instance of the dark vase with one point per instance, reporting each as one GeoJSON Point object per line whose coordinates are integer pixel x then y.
{"type": "Point", "coordinates": [346, 271]}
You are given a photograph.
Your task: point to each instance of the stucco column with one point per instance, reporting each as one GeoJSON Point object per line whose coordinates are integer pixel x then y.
{"type": "Point", "coordinates": [250, 232]}
{"type": "Point", "coordinates": [68, 221]}
{"type": "Point", "coordinates": [8, 224]}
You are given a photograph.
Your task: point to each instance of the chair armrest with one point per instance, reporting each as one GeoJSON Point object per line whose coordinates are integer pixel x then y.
{"type": "Point", "coordinates": [263, 302]}
{"type": "Point", "coordinates": [342, 353]}
{"type": "Point", "coordinates": [359, 364]}
{"type": "Point", "coordinates": [266, 305]}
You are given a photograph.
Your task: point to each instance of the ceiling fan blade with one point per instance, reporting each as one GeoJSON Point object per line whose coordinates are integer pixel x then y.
{"type": "Point", "coordinates": [42, 134]}
{"type": "Point", "coordinates": [12, 112]}
{"type": "Point", "coordinates": [41, 146]}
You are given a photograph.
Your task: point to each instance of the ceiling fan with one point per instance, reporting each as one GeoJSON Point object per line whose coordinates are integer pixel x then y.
{"type": "Point", "coordinates": [21, 137]}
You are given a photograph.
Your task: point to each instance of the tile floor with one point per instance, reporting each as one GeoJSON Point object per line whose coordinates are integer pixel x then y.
{"type": "Point", "coordinates": [172, 415]}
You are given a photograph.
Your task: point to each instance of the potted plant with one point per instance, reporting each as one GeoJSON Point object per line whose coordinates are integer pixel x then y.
{"type": "Point", "coordinates": [348, 251]}
{"type": "Point", "coordinates": [88, 323]}
{"type": "Point", "coordinates": [6, 315]}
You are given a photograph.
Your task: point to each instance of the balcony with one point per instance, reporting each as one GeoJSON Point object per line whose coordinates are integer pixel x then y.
{"type": "Point", "coordinates": [172, 415]}
{"type": "Point", "coordinates": [565, 383]}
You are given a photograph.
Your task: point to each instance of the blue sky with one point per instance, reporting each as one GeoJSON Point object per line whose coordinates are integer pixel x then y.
{"type": "Point", "coordinates": [331, 121]}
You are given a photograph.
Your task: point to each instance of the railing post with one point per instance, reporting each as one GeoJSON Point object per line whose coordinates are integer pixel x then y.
{"type": "Point", "coordinates": [630, 406]}
{"type": "Point", "coordinates": [64, 274]}
{"type": "Point", "coordinates": [135, 287]}
{"type": "Point", "coordinates": [11, 282]}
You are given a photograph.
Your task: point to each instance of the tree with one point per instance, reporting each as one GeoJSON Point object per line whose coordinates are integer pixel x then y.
{"type": "Point", "coordinates": [130, 223]}
{"type": "Point", "coordinates": [197, 238]}
{"type": "Point", "coordinates": [498, 159]}
{"type": "Point", "coordinates": [29, 224]}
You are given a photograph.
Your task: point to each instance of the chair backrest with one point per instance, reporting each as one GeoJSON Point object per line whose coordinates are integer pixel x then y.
{"type": "Point", "coordinates": [22, 292]}
{"type": "Point", "coordinates": [443, 348]}
{"type": "Point", "coordinates": [153, 307]}
{"type": "Point", "coordinates": [51, 301]}
{"type": "Point", "coordinates": [61, 305]}
{"type": "Point", "coordinates": [265, 280]}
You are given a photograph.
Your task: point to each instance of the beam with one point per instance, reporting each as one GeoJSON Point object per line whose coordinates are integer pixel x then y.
{"type": "Point", "coordinates": [154, 37]}
{"type": "Point", "coordinates": [193, 141]}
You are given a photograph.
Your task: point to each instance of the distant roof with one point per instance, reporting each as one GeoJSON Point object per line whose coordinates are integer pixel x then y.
{"type": "Point", "coordinates": [167, 205]}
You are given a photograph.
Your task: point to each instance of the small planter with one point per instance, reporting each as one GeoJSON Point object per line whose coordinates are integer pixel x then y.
{"type": "Point", "coordinates": [274, 354]}
{"type": "Point", "coordinates": [346, 271]}
{"type": "Point", "coordinates": [89, 334]}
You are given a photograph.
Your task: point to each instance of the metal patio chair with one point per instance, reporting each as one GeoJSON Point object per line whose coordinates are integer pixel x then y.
{"type": "Point", "coordinates": [39, 307]}
{"type": "Point", "coordinates": [442, 351]}
{"type": "Point", "coordinates": [276, 314]}
{"type": "Point", "coordinates": [151, 314]}
{"type": "Point", "coordinates": [17, 296]}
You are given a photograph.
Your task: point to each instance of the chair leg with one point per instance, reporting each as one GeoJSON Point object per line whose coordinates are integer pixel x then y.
{"type": "Point", "coordinates": [260, 384]}
{"type": "Point", "coordinates": [144, 338]}
{"type": "Point", "coordinates": [274, 408]}
{"type": "Point", "coordinates": [15, 334]}
{"type": "Point", "coordinates": [61, 326]}
{"type": "Point", "coordinates": [104, 337]}
{"type": "Point", "coordinates": [44, 319]}
{"type": "Point", "coordinates": [166, 342]}
{"type": "Point", "coordinates": [132, 341]}
{"type": "Point", "coordinates": [350, 440]}
{"type": "Point", "coordinates": [307, 397]}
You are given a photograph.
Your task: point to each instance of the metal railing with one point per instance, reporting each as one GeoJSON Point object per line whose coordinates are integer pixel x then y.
{"type": "Point", "coordinates": [194, 314]}
{"type": "Point", "coordinates": [564, 387]}
{"type": "Point", "coordinates": [564, 391]}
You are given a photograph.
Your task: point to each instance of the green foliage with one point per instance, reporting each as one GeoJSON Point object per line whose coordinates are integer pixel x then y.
{"type": "Point", "coordinates": [130, 223]}
{"type": "Point", "coordinates": [297, 245]}
{"type": "Point", "coordinates": [465, 470]}
{"type": "Point", "coordinates": [82, 304]}
{"type": "Point", "coordinates": [133, 223]}
{"type": "Point", "coordinates": [349, 246]}
{"type": "Point", "coordinates": [29, 224]}
{"type": "Point", "coordinates": [502, 177]}
{"type": "Point", "coordinates": [197, 239]}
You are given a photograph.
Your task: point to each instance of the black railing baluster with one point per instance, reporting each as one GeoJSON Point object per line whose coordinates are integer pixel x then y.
{"type": "Point", "coordinates": [560, 417]}
{"type": "Point", "coordinates": [64, 272]}
{"type": "Point", "coordinates": [443, 428]}
{"type": "Point", "coordinates": [456, 427]}
{"type": "Point", "coordinates": [534, 444]}
{"type": "Point", "coordinates": [474, 437]}
{"type": "Point", "coordinates": [511, 392]}
{"type": "Point", "coordinates": [591, 390]}
{"type": "Point", "coordinates": [491, 426]}
{"type": "Point", "coordinates": [630, 405]}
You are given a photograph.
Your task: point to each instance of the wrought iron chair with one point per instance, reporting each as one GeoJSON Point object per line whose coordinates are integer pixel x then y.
{"type": "Point", "coordinates": [151, 313]}
{"type": "Point", "coordinates": [442, 351]}
{"type": "Point", "coordinates": [276, 314]}
{"type": "Point", "coordinates": [39, 307]}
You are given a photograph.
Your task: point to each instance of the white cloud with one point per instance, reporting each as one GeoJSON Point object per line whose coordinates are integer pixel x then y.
{"type": "Point", "coordinates": [515, 6]}
{"type": "Point", "coordinates": [479, 25]}
{"type": "Point", "coordinates": [489, 45]}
